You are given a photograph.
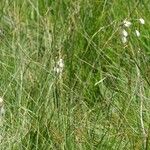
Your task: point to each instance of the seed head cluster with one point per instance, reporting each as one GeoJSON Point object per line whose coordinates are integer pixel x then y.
{"type": "Point", "coordinates": [1, 106]}
{"type": "Point", "coordinates": [127, 24]}
{"type": "Point", "coordinates": [59, 66]}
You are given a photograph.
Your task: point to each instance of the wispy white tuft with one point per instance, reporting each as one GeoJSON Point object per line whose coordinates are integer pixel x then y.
{"type": "Point", "coordinates": [137, 33]}
{"type": "Point", "coordinates": [60, 63]}
{"type": "Point", "coordinates": [1, 101]}
{"type": "Point", "coordinates": [57, 70]}
{"type": "Point", "coordinates": [1, 106]}
{"type": "Point", "coordinates": [124, 39]}
{"type": "Point", "coordinates": [124, 33]}
{"type": "Point", "coordinates": [127, 23]}
{"type": "Point", "coordinates": [2, 110]}
{"type": "Point", "coordinates": [142, 21]}
{"type": "Point", "coordinates": [59, 66]}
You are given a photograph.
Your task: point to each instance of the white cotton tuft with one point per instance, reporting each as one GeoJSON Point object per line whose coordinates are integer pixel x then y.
{"type": "Point", "coordinates": [142, 21]}
{"type": "Point", "coordinates": [137, 33]}
{"type": "Point", "coordinates": [127, 23]}
{"type": "Point", "coordinates": [124, 33]}
{"type": "Point", "coordinates": [124, 39]}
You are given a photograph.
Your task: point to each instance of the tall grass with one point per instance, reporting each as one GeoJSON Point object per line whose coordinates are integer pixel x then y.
{"type": "Point", "coordinates": [101, 98]}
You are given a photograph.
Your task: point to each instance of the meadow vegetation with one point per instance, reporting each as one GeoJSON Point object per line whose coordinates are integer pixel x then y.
{"type": "Point", "coordinates": [71, 78]}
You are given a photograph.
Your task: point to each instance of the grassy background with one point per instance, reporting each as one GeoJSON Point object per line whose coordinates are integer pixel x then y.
{"type": "Point", "coordinates": [44, 111]}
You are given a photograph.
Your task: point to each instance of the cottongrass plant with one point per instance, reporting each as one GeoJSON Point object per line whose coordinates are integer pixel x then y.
{"type": "Point", "coordinates": [124, 35]}
{"type": "Point", "coordinates": [137, 33]}
{"type": "Point", "coordinates": [127, 24]}
{"type": "Point", "coordinates": [142, 21]}
{"type": "Point", "coordinates": [2, 111]}
{"type": "Point", "coordinates": [59, 66]}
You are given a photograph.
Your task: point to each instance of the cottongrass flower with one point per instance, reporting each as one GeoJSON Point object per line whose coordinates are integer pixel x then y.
{"type": "Point", "coordinates": [59, 66]}
{"type": "Point", "coordinates": [1, 106]}
{"type": "Point", "coordinates": [60, 63]}
{"type": "Point", "coordinates": [124, 39]}
{"type": "Point", "coordinates": [124, 33]}
{"type": "Point", "coordinates": [124, 36]}
{"type": "Point", "coordinates": [57, 70]}
{"type": "Point", "coordinates": [137, 33]}
{"type": "Point", "coordinates": [2, 112]}
{"type": "Point", "coordinates": [142, 21]}
{"type": "Point", "coordinates": [127, 23]}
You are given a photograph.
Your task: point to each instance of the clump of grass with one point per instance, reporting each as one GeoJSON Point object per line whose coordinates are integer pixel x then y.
{"type": "Point", "coordinates": [69, 79]}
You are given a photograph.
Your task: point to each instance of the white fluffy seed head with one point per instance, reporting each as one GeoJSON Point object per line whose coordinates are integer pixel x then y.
{"type": "Point", "coordinates": [2, 111]}
{"type": "Point", "coordinates": [127, 23]}
{"type": "Point", "coordinates": [1, 101]}
{"type": "Point", "coordinates": [60, 60]}
{"type": "Point", "coordinates": [60, 63]}
{"type": "Point", "coordinates": [124, 40]}
{"type": "Point", "coordinates": [142, 21]}
{"type": "Point", "coordinates": [137, 33]}
{"type": "Point", "coordinates": [124, 33]}
{"type": "Point", "coordinates": [58, 69]}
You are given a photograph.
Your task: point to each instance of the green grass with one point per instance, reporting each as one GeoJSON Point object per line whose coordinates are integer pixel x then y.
{"type": "Point", "coordinates": [101, 101]}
